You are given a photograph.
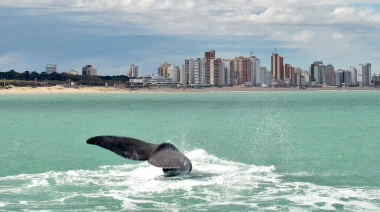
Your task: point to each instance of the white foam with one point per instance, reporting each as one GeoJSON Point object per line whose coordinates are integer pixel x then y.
{"type": "Point", "coordinates": [38, 183]}
{"type": "Point", "coordinates": [213, 183]}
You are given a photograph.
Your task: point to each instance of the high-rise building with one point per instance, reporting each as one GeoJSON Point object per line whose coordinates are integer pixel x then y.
{"type": "Point", "coordinates": [133, 71]}
{"type": "Point", "coordinates": [163, 69]}
{"type": "Point", "coordinates": [264, 77]}
{"type": "Point", "coordinates": [173, 73]}
{"type": "Point", "coordinates": [210, 54]}
{"type": "Point", "coordinates": [375, 80]}
{"type": "Point", "coordinates": [216, 69]}
{"type": "Point", "coordinates": [354, 75]}
{"type": "Point", "coordinates": [213, 73]}
{"type": "Point", "coordinates": [204, 71]}
{"type": "Point", "coordinates": [189, 71]}
{"type": "Point", "coordinates": [255, 71]}
{"type": "Point", "coordinates": [296, 76]}
{"type": "Point", "coordinates": [226, 74]}
{"type": "Point", "coordinates": [197, 71]}
{"type": "Point", "coordinates": [51, 68]}
{"type": "Point", "coordinates": [347, 78]}
{"type": "Point", "coordinates": [339, 77]}
{"type": "Point", "coordinates": [89, 70]}
{"type": "Point", "coordinates": [366, 74]}
{"type": "Point", "coordinates": [288, 71]}
{"type": "Point", "coordinates": [306, 77]}
{"type": "Point", "coordinates": [182, 80]}
{"type": "Point", "coordinates": [241, 70]}
{"type": "Point", "coordinates": [317, 76]}
{"type": "Point", "coordinates": [330, 75]}
{"type": "Point", "coordinates": [277, 65]}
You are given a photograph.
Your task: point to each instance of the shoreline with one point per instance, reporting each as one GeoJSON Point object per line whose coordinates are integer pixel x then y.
{"type": "Point", "coordinates": [98, 89]}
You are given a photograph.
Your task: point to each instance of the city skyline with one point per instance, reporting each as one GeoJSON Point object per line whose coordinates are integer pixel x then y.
{"type": "Point", "coordinates": [276, 66]}
{"type": "Point", "coordinates": [114, 35]}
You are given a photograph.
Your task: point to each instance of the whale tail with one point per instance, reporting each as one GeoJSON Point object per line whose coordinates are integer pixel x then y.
{"type": "Point", "coordinates": [165, 155]}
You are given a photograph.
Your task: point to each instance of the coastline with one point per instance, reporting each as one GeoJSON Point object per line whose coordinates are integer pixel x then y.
{"type": "Point", "coordinates": [98, 89]}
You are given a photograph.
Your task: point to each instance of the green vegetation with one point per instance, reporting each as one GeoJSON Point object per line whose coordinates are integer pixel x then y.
{"type": "Point", "coordinates": [33, 79]}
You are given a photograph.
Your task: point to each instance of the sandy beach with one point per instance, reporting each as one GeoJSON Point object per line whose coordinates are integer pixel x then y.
{"type": "Point", "coordinates": [95, 89]}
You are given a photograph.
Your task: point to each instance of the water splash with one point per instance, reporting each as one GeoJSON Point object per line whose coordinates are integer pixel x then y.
{"type": "Point", "coordinates": [214, 184]}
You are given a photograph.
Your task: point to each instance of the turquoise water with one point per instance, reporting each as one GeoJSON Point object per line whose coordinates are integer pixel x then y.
{"type": "Point", "coordinates": [296, 151]}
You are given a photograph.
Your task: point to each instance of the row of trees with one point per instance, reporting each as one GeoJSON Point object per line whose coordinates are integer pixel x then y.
{"type": "Point", "coordinates": [28, 78]}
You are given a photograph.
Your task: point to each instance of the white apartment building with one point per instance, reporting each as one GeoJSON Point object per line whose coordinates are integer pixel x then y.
{"type": "Point", "coordinates": [226, 73]}
{"type": "Point", "coordinates": [133, 71]}
{"type": "Point", "coordinates": [173, 73]}
{"type": "Point", "coordinates": [189, 71]}
{"type": "Point", "coordinates": [255, 71]}
{"type": "Point", "coordinates": [197, 71]}
{"type": "Point", "coordinates": [354, 75]}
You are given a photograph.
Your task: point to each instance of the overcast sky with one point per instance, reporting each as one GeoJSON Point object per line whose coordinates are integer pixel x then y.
{"type": "Point", "coordinates": [112, 35]}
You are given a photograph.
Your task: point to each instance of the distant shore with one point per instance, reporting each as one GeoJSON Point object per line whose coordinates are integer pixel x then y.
{"type": "Point", "coordinates": [98, 89]}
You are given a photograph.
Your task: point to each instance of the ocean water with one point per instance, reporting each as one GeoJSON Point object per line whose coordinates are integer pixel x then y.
{"type": "Point", "coordinates": [254, 151]}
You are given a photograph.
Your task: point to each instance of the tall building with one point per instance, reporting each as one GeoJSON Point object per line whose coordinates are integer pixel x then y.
{"type": "Point", "coordinates": [241, 70]}
{"type": "Point", "coordinates": [133, 71]}
{"type": "Point", "coordinates": [226, 74]}
{"type": "Point", "coordinates": [51, 68]}
{"type": "Point", "coordinates": [204, 72]}
{"type": "Point", "coordinates": [197, 71]}
{"type": "Point", "coordinates": [330, 75]}
{"type": "Point", "coordinates": [213, 73]}
{"type": "Point", "coordinates": [255, 71]}
{"type": "Point", "coordinates": [277, 65]}
{"type": "Point", "coordinates": [173, 73]}
{"type": "Point", "coordinates": [287, 71]}
{"type": "Point", "coordinates": [375, 80]}
{"type": "Point", "coordinates": [163, 69]}
{"type": "Point", "coordinates": [296, 76]}
{"type": "Point", "coordinates": [354, 75]}
{"type": "Point", "coordinates": [265, 77]}
{"type": "Point", "coordinates": [317, 76]}
{"type": "Point", "coordinates": [208, 73]}
{"type": "Point", "coordinates": [216, 69]}
{"type": "Point", "coordinates": [182, 79]}
{"type": "Point", "coordinates": [189, 71]}
{"type": "Point", "coordinates": [89, 70]}
{"type": "Point", "coordinates": [306, 77]}
{"type": "Point", "coordinates": [339, 77]}
{"type": "Point", "coordinates": [210, 54]}
{"type": "Point", "coordinates": [366, 73]}
{"type": "Point", "coordinates": [347, 78]}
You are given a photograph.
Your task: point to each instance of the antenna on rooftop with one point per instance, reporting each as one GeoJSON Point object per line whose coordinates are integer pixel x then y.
{"type": "Point", "coordinates": [275, 50]}
{"type": "Point", "coordinates": [251, 54]}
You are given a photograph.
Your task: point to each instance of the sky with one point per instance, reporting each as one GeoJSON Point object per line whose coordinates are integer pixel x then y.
{"type": "Point", "coordinates": [112, 35]}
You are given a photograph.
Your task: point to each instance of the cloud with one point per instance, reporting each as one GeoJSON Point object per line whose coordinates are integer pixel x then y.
{"type": "Point", "coordinates": [15, 60]}
{"type": "Point", "coordinates": [10, 58]}
{"type": "Point", "coordinates": [324, 28]}
{"type": "Point", "coordinates": [337, 36]}
{"type": "Point", "coordinates": [254, 11]}
{"type": "Point", "coordinates": [209, 17]}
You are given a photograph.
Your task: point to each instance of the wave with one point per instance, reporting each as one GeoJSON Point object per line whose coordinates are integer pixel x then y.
{"type": "Point", "coordinates": [214, 184]}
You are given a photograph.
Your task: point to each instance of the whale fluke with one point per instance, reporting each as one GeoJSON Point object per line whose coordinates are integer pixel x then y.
{"type": "Point", "coordinates": [165, 155]}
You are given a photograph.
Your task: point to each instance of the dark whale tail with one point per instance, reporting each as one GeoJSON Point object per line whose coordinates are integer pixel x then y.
{"type": "Point", "coordinates": [164, 155]}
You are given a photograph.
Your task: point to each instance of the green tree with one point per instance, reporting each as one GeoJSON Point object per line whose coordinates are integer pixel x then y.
{"type": "Point", "coordinates": [25, 75]}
